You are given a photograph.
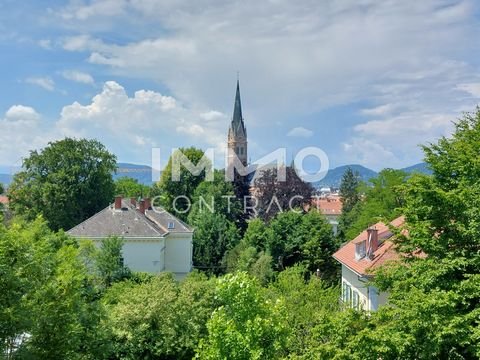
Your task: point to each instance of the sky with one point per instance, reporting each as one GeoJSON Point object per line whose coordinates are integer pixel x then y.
{"type": "Point", "coordinates": [367, 81]}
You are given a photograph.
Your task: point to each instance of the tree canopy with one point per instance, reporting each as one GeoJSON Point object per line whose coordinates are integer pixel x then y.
{"type": "Point", "coordinates": [66, 182]}
{"type": "Point", "coordinates": [275, 195]}
{"type": "Point", "coordinates": [175, 196]}
{"type": "Point", "coordinates": [382, 201]}
{"type": "Point", "coordinates": [129, 187]}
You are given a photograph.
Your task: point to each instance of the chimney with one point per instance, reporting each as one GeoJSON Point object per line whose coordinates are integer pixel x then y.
{"type": "Point", "coordinates": [133, 201]}
{"type": "Point", "coordinates": [148, 204]}
{"type": "Point", "coordinates": [141, 208]}
{"type": "Point", "coordinates": [118, 202]}
{"type": "Point", "coordinates": [372, 241]}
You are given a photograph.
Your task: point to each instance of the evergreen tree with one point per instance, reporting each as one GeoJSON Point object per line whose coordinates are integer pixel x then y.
{"type": "Point", "coordinates": [350, 196]}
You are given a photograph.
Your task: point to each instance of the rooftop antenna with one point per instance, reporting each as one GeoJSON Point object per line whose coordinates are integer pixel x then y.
{"type": "Point", "coordinates": [238, 75]}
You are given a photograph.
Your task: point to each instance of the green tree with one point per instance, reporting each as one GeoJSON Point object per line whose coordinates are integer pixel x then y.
{"type": "Point", "coordinates": [434, 295]}
{"type": "Point", "coordinates": [2, 189]}
{"type": "Point", "coordinates": [246, 324]}
{"type": "Point", "coordinates": [109, 261]}
{"type": "Point", "coordinates": [318, 245]}
{"type": "Point", "coordinates": [175, 196]}
{"type": "Point", "coordinates": [350, 196]}
{"type": "Point", "coordinates": [128, 187]}
{"type": "Point", "coordinates": [308, 305]}
{"type": "Point", "coordinates": [383, 200]}
{"type": "Point", "coordinates": [214, 214]}
{"type": "Point", "coordinates": [214, 235]}
{"type": "Point", "coordinates": [67, 182]}
{"type": "Point", "coordinates": [170, 321]}
{"type": "Point", "coordinates": [48, 307]}
{"type": "Point", "coordinates": [275, 196]}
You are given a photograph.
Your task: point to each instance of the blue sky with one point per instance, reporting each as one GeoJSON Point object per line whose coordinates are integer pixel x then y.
{"type": "Point", "coordinates": [366, 81]}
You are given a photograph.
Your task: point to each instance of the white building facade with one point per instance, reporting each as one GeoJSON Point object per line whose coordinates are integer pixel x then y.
{"type": "Point", "coordinates": [153, 241]}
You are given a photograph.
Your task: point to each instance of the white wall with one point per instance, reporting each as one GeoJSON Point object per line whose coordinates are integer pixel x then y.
{"type": "Point", "coordinates": [368, 295]}
{"type": "Point", "coordinates": [178, 253]}
{"type": "Point", "coordinates": [172, 253]}
{"type": "Point", "coordinates": [142, 254]}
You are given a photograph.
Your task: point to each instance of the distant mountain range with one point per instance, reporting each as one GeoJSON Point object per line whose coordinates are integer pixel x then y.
{"type": "Point", "coordinates": [143, 173]}
{"type": "Point", "coordinates": [334, 176]}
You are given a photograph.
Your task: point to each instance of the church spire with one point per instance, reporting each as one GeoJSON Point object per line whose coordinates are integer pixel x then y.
{"type": "Point", "coordinates": [237, 110]}
{"type": "Point", "coordinates": [237, 126]}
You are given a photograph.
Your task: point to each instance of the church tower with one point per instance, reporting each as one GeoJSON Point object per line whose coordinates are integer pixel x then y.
{"type": "Point", "coordinates": [237, 133]}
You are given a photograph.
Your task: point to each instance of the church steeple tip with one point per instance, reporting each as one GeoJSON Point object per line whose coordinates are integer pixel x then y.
{"type": "Point", "coordinates": [237, 110]}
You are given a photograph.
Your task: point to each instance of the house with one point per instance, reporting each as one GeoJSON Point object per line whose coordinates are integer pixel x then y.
{"type": "Point", "coordinates": [154, 240]}
{"type": "Point", "coordinates": [331, 207]}
{"type": "Point", "coordinates": [360, 258]}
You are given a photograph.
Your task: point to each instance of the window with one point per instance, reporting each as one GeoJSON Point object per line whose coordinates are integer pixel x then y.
{"type": "Point", "coordinates": [355, 300]}
{"type": "Point", "coordinates": [360, 250]}
{"type": "Point", "coordinates": [346, 293]}
{"type": "Point", "coordinates": [171, 225]}
{"type": "Point", "coordinates": [241, 151]}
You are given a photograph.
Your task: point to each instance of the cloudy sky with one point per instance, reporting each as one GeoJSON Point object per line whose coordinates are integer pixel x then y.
{"type": "Point", "coordinates": [365, 80]}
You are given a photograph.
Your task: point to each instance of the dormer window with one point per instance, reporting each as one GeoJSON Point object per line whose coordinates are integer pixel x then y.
{"type": "Point", "coordinates": [171, 225]}
{"type": "Point", "coordinates": [360, 250]}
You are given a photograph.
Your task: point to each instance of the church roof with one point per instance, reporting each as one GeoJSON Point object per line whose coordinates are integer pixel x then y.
{"type": "Point", "coordinates": [237, 127]}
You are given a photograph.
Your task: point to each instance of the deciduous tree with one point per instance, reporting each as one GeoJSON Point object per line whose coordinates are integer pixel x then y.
{"type": "Point", "coordinates": [66, 182]}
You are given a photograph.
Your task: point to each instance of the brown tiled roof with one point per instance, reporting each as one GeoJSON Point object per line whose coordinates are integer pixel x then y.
{"type": "Point", "coordinates": [3, 200]}
{"type": "Point", "coordinates": [329, 205]}
{"type": "Point", "coordinates": [385, 252]}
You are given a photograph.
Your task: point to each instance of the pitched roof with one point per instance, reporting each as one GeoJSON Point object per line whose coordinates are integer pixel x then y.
{"type": "Point", "coordinates": [129, 222]}
{"type": "Point", "coordinates": [385, 252]}
{"type": "Point", "coordinates": [330, 205]}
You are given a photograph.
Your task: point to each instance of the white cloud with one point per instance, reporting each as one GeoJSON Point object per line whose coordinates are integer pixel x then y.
{"type": "Point", "coordinates": [78, 76]}
{"type": "Point", "coordinates": [470, 88]}
{"type": "Point", "coordinates": [370, 153]}
{"type": "Point", "coordinates": [45, 44]}
{"type": "Point", "coordinates": [300, 132]}
{"type": "Point", "coordinates": [20, 131]}
{"type": "Point", "coordinates": [378, 111]}
{"type": "Point", "coordinates": [44, 82]}
{"type": "Point", "coordinates": [21, 112]}
{"type": "Point", "coordinates": [131, 126]}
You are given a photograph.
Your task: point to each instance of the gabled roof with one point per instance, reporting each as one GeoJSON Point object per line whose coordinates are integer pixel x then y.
{"type": "Point", "coordinates": [385, 252]}
{"type": "Point", "coordinates": [128, 222]}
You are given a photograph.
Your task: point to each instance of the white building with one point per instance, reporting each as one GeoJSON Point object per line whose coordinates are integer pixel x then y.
{"type": "Point", "coordinates": [359, 258]}
{"type": "Point", "coordinates": [153, 241]}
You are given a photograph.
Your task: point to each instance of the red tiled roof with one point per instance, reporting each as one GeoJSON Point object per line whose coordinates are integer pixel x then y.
{"type": "Point", "coordinates": [3, 200]}
{"type": "Point", "coordinates": [385, 251]}
{"type": "Point", "coordinates": [328, 206]}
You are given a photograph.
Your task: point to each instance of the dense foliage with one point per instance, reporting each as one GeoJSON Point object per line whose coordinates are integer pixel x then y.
{"type": "Point", "coordinates": [129, 187]}
{"type": "Point", "coordinates": [275, 195]}
{"type": "Point", "coordinates": [175, 195]}
{"type": "Point", "coordinates": [382, 201]}
{"type": "Point", "coordinates": [66, 182]}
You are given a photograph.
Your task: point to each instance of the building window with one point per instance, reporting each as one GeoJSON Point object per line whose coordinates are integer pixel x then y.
{"type": "Point", "coordinates": [355, 300]}
{"type": "Point", "coordinates": [241, 151]}
{"type": "Point", "coordinates": [346, 293]}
